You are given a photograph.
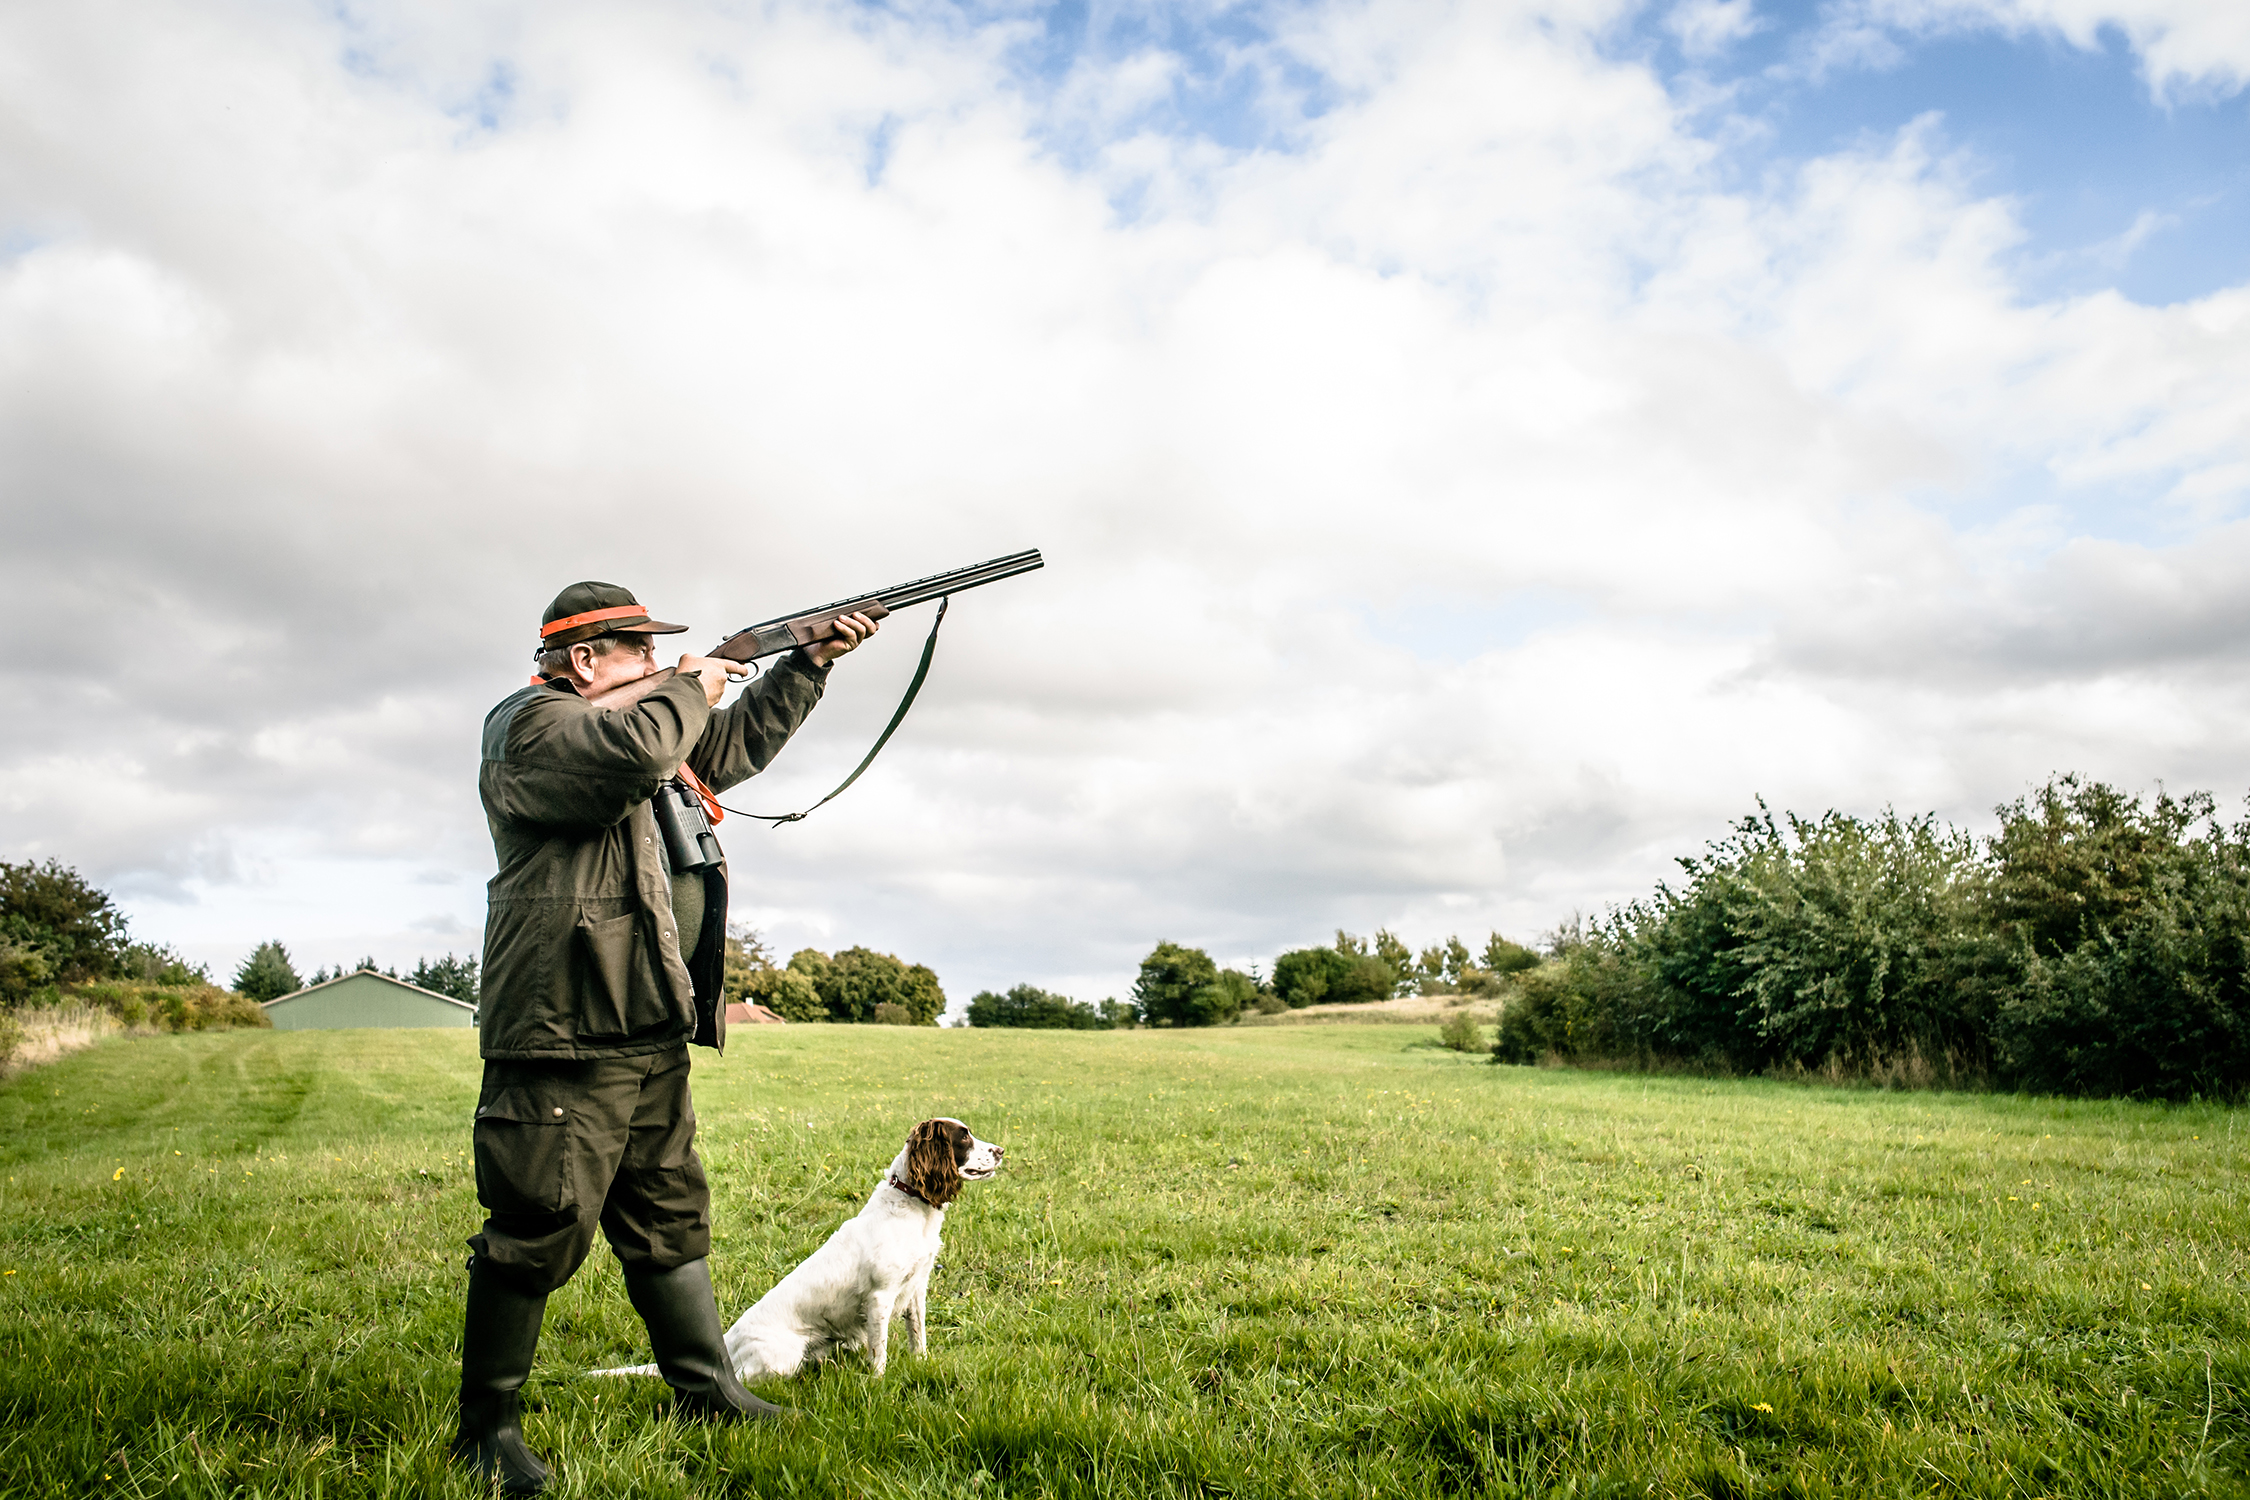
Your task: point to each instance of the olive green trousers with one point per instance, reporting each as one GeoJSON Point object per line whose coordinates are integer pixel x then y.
{"type": "Point", "coordinates": [564, 1146]}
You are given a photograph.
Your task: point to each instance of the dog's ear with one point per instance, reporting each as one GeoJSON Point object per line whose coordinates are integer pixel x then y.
{"type": "Point", "coordinates": [932, 1171]}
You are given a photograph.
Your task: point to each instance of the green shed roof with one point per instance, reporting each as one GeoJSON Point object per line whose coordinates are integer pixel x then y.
{"type": "Point", "coordinates": [367, 999]}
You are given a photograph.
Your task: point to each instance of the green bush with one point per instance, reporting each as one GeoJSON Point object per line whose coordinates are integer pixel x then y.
{"type": "Point", "coordinates": [1503, 957]}
{"type": "Point", "coordinates": [1027, 1005]}
{"type": "Point", "coordinates": [2155, 1003]}
{"type": "Point", "coordinates": [153, 963]}
{"type": "Point", "coordinates": [1171, 978]}
{"type": "Point", "coordinates": [1302, 977]}
{"type": "Point", "coordinates": [2076, 860]}
{"type": "Point", "coordinates": [1592, 1002]}
{"type": "Point", "coordinates": [1461, 1032]}
{"type": "Point", "coordinates": [1346, 974]}
{"type": "Point", "coordinates": [24, 973]}
{"type": "Point", "coordinates": [2093, 945]}
{"type": "Point", "coordinates": [855, 981]}
{"type": "Point", "coordinates": [785, 992]}
{"type": "Point", "coordinates": [1476, 981]}
{"type": "Point", "coordinates": [77, 930]}
{"type": "Point", "coordinates": [1224, 999]}
{"type": "Point", "coordinates": [173, 1007]}
{"type": "Point", "coordinates": [1836, 942]}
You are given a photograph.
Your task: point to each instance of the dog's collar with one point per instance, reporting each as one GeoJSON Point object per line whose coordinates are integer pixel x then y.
{"type": "Point", "coordinates": [917, 1197]}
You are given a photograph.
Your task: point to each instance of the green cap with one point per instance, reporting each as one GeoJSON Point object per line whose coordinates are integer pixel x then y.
{"type": "Point", "coordinates": [585, 610]}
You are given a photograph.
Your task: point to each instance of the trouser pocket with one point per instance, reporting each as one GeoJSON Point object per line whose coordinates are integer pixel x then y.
{"type": "Point", "coordinates": [522, 1142]}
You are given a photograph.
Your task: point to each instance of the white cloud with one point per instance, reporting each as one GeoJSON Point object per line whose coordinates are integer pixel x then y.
{"type": "Point", "coordinates": [2200, 46]}
{"type": "Point", "coordinates": [1706, 28]}
{"type": "Point", "coordinates": [314, 386]}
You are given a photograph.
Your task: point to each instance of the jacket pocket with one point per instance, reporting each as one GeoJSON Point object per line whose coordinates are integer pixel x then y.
{"type": "Point", "coordinates": [617, 991]}
{"type": "Point", "coordinates": [523, 1155]}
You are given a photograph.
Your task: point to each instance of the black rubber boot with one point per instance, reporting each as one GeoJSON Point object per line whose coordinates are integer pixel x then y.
{"type": "Point", "coordinates": [497, 1340]}
{"type": "Point", "coordinates": [683, 1323]}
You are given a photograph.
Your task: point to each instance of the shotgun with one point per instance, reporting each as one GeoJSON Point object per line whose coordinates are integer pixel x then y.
{"type": "Point", "coordinates": [787, 632]}
{"type": "Point", "coordinates": [684, 808]}
{"type": "Point", "coordinates": [753, 641]}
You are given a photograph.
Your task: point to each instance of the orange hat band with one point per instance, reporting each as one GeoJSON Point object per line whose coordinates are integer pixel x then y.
{"type": "Point", "coordinates": [617, 612]}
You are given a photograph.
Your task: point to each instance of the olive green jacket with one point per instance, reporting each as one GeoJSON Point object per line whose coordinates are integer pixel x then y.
{"type": "Point", "coordinates": [581, 955]}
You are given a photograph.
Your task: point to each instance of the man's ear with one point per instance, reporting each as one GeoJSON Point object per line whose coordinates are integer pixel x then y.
{"type": "Point", "coordinates": [930, 1169]}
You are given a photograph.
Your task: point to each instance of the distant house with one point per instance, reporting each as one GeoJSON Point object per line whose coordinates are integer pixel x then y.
{"type": "Point", "coordinates": [745, 1013]}
{"type": "Point", "coordinates": [367, 999]}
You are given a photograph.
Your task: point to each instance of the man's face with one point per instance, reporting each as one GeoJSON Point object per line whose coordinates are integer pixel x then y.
{"type": "Point", "coordinates": [628, 657]}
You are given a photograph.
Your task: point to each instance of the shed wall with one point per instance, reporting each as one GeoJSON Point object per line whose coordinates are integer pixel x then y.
{"type": "Point", "coordinates": [363, 1000]}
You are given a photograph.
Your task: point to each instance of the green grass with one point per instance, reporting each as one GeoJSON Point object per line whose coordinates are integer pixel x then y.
{"type": "Point", "coordinates": [1284, 1261]}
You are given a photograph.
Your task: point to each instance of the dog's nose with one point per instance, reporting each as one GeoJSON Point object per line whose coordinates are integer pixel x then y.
{"type": "Point", "coordinates": [998, 1152]}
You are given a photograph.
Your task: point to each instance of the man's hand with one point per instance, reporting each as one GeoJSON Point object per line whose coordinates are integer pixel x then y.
{"type": "Point", "coordinates": [850, 631]}
{"type": "Point", "coordinates": [715, 672]}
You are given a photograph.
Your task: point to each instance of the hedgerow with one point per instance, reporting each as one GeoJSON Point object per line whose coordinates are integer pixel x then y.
{"type": "Point", "coordinates": [2095, 944]}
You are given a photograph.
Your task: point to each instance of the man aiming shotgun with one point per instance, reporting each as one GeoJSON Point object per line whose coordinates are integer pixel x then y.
{"type": "Point", "coordinates": [604, 949]}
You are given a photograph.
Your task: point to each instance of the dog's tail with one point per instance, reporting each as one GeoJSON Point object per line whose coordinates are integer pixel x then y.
{"type": "Point", "coordinates": [628, 1370]}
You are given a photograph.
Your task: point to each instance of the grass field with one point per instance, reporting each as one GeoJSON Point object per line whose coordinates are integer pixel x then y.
{"type": "Point", "coordinates": [1325, 1260]}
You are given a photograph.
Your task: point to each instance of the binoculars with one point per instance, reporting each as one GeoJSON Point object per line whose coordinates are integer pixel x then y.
{"type": "Point", "coordinates": [689, 842]}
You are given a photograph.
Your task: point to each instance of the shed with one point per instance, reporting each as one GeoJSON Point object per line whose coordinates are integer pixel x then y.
{"type": "Point", "coordinates": [748, 1013]}
{"type": "Point", "coordinates": [366, 998]}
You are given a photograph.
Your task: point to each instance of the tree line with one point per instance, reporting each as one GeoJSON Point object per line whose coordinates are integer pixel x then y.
{"type": "Point", "coordinates": [854, 986]}
{"type": "Point", "coordinates": [1182, 986]}
{"type": "Point", "coordinates": [63, 938]}
{"type": "Point", "coordinates": [63, 941]}
{"type": "Point", "coordinates": [2095, 944]}
{"type": "Point", "coordinates": [2098, 943]}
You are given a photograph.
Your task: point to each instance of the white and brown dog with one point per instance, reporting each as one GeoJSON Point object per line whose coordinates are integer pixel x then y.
{"type": "Point", "coordinates": [875, 1267]}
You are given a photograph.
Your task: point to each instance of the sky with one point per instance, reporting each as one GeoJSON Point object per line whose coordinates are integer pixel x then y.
{"type": "Point", "coordinates": [1479, 450]}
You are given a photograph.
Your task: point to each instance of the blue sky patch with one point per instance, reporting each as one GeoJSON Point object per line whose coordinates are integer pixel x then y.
{"type": "Point", "coordinates": [2113, 188]}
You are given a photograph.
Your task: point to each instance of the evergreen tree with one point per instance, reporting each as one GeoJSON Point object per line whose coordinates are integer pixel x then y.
{"type": "Point", "coordinates": [452, 976]}
{"type": "Point", "coordinates": [267, 974]}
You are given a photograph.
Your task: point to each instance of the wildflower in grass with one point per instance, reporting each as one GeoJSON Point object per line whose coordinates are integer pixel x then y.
{"type": "Point", "coordinates": [1763, 1406]}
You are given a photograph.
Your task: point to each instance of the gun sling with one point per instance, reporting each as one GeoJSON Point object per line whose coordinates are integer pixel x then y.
{"type": "Point", "coordinates": [921, 671]}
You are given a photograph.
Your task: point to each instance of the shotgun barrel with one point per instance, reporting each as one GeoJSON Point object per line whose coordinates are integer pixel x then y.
{"type": "Point", "coordinates": [788, 631]}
